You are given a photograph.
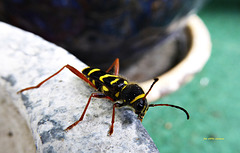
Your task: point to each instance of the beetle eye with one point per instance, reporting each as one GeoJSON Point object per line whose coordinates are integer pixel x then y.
{"type": "Point", "coordinates": [140, 105]}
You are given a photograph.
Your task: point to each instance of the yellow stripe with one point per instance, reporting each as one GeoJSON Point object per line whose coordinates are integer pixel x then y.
{"type": "Point", "coordinates": [93, 70]}
{"type": "Point", "coordinates": [105, 88]}
{"type": "Point", "coordinates": [136, 98]}
{"type": "Point", "coordinates": [93, 81]}
{"type": "Point", "coordinates": [114, 81]}
{"type": "Point", "coordinates": [123, 88]}
{"type": "Point", "coordinates": [105, 76]}
{"type": "Point", "coordinates": [86, 68]}
{"type": "Point", "coordinates": [117, 94]}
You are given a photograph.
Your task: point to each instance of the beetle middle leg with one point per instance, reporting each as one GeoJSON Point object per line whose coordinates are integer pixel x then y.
{"type": "Point", "coordinates": [97, 95]}
{"type": "Point", "coordinates": [113, 117]}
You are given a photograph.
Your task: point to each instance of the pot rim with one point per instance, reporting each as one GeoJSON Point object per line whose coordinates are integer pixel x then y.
{"type": "Point", "coordinates": [183, 72]}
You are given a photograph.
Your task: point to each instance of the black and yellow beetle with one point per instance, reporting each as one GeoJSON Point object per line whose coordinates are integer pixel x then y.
{"type": "Point", "coordinates": [114, 88]}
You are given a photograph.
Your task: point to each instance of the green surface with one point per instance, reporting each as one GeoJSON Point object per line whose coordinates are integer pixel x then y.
{"type": "Point", "coordinates": [214, 104]}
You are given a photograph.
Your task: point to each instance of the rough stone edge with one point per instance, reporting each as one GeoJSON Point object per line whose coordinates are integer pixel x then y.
{"type": "Point", "coordinates": [25, 60]}
{"type": "Point", "coordinates": [13, 127]}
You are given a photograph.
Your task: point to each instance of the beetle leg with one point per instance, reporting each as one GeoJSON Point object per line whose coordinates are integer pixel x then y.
{"type": "Point", "coordinates": [115, 64]}
{"type": "Point", "coordinates": [97, 95]}
{"type": "Point", "coordinates": [113, 116]}
{"type": "Point", "coordinates": [72, 69]}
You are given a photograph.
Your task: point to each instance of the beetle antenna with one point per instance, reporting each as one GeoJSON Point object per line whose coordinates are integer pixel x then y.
{"type": "Point", "coordinates": [153, 105]}
{"type": "Point", "coordinates": [155, 80]}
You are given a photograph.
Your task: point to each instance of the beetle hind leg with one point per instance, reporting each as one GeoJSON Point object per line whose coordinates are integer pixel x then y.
{"type": "Point", "coordinates": [114, 65]}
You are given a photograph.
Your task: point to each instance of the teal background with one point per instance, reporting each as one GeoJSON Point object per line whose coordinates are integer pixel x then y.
{"type": "Point", "coordinates": [214, 104]}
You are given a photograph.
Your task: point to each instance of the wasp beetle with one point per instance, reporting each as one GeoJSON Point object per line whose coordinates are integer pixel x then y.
{"type": "Point", "coordinates": [113, 87]}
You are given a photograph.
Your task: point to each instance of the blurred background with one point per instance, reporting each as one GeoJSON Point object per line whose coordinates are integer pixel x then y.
{"type": "Point", "coordinates": [97, 34]}
{"type": "Point", "coordinates": [212, 98]}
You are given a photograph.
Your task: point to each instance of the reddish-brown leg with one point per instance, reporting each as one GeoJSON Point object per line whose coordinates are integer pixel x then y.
{"type": "Point", "coordinates": [115, 64]}
{"type": "Point", "coordinates": [97, 95]}
{"type": "Point", "coordinates": [113, 117]}
{"type": "Point", "coordinates": [72, 69]}
{"type": "Point", "coordinates": [110, 132]}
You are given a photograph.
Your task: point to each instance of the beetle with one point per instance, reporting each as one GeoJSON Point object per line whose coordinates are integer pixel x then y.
{"type": "Point", "coordinates": [113, 87]}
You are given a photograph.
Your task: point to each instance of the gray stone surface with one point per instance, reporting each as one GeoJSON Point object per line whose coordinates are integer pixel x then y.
{"type": "Point", "coordinates": [25, 60]}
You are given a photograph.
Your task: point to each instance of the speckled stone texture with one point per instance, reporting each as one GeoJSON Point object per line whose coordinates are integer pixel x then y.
{"type": "Point", "coordinates": [27, 59]}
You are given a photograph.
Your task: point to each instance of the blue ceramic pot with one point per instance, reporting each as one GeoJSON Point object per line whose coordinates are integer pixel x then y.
{"type": "Point", "coordinates": [98, 31]}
